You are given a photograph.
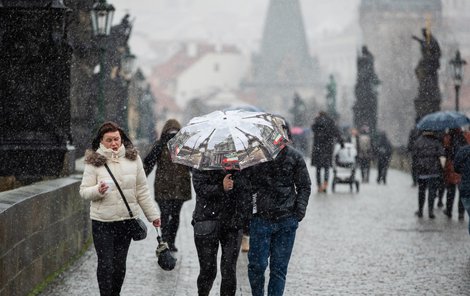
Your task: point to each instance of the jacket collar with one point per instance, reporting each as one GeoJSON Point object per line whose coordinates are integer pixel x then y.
{"type": "Point", "coordinates": [100, 157]}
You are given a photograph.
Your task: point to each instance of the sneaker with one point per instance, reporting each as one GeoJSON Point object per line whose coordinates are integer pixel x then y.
{"type": "Point", "coordinates": [440, 204]}
{"type": "Point", "coordinates": [419, 214]}
{"type": "Point", "coordinates": [461, 216]}
{"type": "Point", "coordinates": [245, 243]}
{"type": "Point", "coordinates": [431, 216]}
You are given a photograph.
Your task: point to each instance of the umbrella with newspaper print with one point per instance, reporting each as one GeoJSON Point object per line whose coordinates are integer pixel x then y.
{"type": "Point", "coordinates": [231, 140]}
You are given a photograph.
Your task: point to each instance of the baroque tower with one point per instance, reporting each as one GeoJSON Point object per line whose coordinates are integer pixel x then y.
{"type": "Point", "coordinates": [283, 65]}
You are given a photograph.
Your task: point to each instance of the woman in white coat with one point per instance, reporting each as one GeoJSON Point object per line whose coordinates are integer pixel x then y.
{"type": "Point", "coordinates": [110, 217]}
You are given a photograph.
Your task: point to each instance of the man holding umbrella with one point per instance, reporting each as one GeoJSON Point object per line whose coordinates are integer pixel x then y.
{"type": "Point", "coordinates": [430, 154]}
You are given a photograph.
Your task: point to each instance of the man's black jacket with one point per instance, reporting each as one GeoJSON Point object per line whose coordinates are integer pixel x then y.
{"type": "Point", "coordinates": [282, 186]}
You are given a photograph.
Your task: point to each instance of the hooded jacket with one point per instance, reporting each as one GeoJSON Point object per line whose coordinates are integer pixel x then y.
{"type": "Point", "coordinates": [172, 180]}
{"type": "Point", "coordinates": [127, 168]}
{"type": "Point", "coordinates": [427, 149]}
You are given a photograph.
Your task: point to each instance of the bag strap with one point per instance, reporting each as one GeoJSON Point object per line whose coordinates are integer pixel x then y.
{"type": "Point", "coordinates": [120, 191]}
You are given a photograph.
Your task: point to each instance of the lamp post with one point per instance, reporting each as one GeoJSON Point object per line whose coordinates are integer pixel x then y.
{"type": "Point", "coordinates": [127, 65]}
{"type": "Point", "coordinates": [457, 74]}
{"type": "Point", "coordinates": [101, 19]}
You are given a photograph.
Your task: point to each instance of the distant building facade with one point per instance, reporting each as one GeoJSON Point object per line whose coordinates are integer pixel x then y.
{"type": "Point", "coordinates": [197, 70]}
{"type": "Point", "coordinates": [337, 53]}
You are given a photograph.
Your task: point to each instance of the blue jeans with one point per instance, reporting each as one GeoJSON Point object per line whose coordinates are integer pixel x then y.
{"type": "Point", "coordinates": [274, 239]}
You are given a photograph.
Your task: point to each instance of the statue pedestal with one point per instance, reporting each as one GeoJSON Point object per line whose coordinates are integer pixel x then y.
{"type": "Point", "coordinates": [35, 90]}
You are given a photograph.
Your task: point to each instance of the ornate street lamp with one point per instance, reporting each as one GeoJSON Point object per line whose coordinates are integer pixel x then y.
{"type": "Point", "coordinates": [457, 74]}
{"type": "Point", "coordinates": [127, 65]}
{"type": "Point", "coordinates": [101, 19]}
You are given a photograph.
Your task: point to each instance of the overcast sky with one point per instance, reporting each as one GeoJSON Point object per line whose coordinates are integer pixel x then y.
{"type": "Point", "coordinates": [238, 22]}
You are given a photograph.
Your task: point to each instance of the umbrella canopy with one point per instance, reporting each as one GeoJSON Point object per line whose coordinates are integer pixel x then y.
{"type": "Point", "coordinates": [246, 108]}
{"type": "Point", "coordinates": [233, 139]}
{"type": "Point", "coordinates": [442, 120]}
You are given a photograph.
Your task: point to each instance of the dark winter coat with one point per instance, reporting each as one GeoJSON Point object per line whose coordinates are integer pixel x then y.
{"type": "Point", "coordinates": [325, 135]}
{"type": "Point", "coordinates": [282, 186]}
{"type": "Point", "coordinates": [383, 148]}
{"type": "Point", "coordinates": [232, 208]}
{"type": "Point", "coordinates": [172, 181]}
{"type": "Point", "coordinates": [462, 167]}
{"type": "Point", "coordinates": [427, 149]}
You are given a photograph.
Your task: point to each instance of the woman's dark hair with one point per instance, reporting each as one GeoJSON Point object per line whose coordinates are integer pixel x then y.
{"type": "Point", "coordinates": [109, 127]}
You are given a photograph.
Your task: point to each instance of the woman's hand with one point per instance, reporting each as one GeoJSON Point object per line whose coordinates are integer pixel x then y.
{"type": "Point", "coordinates": [228, 182]}
{"type": "Point", "coordinates": [103, 187]}
{"type": "Point", "coordinates": [157, 222]}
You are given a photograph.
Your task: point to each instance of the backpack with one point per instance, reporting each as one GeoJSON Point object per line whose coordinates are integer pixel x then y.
{"type": "Point", "coordinates": [365, 146]}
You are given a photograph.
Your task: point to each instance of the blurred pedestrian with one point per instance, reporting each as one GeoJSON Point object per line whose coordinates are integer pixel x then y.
{"type": "Point", "coordinates": [383, 151]}
{"type": "Point", "coordinates": [172, 183]}
{"type": "Point", "coordinates": [223, 208]}
{"type": "Point", "coordinates": [111, 222]}
{"type": "Point", "coordinates": [282, 187]}
{"type": "Point", "coordinates": [364, 153]}
{"type": "Point", "coordinates": [325, 136]}
{"type": "Point", "coordinates": [453, 141]}
{"type": "Point", "coordinates": [462, 167]}
{"type": "Point", "coordinates": [414, 133]}
{"type": "Point", "coordinates": [430, 158]}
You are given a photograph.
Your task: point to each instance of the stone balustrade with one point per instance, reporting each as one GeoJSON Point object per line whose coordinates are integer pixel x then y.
{"type": "Point", "coordinates": [42, 228]}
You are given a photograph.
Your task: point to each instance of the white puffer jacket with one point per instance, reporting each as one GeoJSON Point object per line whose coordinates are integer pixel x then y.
{"type": "Point", "coordinates": [127, 168]}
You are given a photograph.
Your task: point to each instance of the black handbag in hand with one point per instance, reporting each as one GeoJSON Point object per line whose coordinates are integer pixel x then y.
{"type": "Point", "coordinates": [138, 229]}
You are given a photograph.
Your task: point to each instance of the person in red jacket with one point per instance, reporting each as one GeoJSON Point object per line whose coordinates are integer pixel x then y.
{"type": "Point", "coordinates": [453, 140]}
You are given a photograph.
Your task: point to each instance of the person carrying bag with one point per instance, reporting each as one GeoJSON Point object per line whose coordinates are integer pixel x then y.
{"type": "Point", "coordinates": [138, 228]}
{"type": "Point", "coordinates": [113, 224]}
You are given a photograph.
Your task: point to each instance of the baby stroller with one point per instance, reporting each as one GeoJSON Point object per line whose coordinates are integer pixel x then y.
{"type": "Point", "coordinates": [344, 166]}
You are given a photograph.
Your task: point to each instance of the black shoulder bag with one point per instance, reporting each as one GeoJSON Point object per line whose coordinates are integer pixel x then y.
{"type": "Point", "coordinates": [138, 228]}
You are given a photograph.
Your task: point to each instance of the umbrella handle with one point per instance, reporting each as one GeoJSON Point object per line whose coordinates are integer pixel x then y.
{"type": "Point", "coordinates": [159, 234]}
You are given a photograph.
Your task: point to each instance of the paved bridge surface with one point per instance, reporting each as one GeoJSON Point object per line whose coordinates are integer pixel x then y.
{"type": "Point", "coordinates": [366, 243]}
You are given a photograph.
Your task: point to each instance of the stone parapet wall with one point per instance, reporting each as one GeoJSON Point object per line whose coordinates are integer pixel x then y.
{"type": "Point", "coordinates": [42, 227]}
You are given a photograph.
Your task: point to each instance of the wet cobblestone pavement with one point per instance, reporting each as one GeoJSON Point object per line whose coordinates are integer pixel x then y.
{"type": "Point", "coordinates": [366, 243]}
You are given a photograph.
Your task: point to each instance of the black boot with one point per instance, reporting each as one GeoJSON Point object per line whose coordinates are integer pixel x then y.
{"type": "Point", "coordinates": [447, 212]}
{"type": "Point", "coordinates": [419, 213]}
{"type": "Point", "coordinates": [431, 213]}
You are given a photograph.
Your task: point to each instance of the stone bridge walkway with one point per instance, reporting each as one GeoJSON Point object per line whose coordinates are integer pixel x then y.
{"type": "Point", "coordinates": [366, 243]}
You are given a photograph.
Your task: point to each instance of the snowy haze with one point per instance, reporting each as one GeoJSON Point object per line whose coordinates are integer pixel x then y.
{"type": "Point", "coordinates": [237, 22]}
